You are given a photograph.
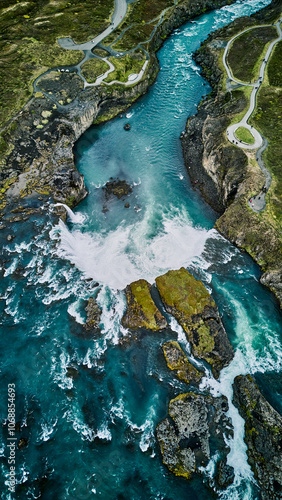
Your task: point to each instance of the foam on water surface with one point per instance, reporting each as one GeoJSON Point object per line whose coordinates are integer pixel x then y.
{"type": "Point", "coordinates": [107, 412]}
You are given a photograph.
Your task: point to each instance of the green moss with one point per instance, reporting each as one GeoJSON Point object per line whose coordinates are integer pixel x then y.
{"type": "Point", "coordinates": [181, 291]}
{"type": "Point", "coordinates": [141, 309]}
{"type": "Point", "coordinates": [7, 184]}
{"type": "Point", "coordinates": [142, 296]}
{"type": "Point", "coordinates": [177, 361]}
{"type": "Point", "coordinates": [205, 343]}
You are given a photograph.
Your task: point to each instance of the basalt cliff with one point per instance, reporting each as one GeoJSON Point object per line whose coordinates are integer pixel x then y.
{"type": "Point", "coordinates": [226, 175]}
{"type": "Point", "coordinates": [37, 142]}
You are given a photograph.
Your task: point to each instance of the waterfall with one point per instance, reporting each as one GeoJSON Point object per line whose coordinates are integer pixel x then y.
{"type": "Point", "coordinates": [77, 218]}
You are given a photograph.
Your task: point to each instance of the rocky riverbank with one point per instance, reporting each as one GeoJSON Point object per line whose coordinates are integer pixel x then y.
{"type": "Point", "coordinates": [37, 145]}
{"type": "Point", "coordinates": [263, 431]}
{"type": "Point", "coordinates": [226, 176]}
{"type": "Point", "coordinates": [197, 424]}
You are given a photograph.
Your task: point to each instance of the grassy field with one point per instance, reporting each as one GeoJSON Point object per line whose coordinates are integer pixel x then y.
{"type": "Point", "coordinates": [125, 66]}
{"type": "Point", "coordinates": [246, 52]}
{"type": "Point", "coordinates": [28, 42]}
{"type": "Point", "coordinates": [140, 13]}
{"type": "Point", "coordinates": [93, 68]}
{"type": "Point", "coordinates": [268, 120]}
{"type": "Point", "coordinates": [274, 69]}
{"type": "Point", "coordinates": [244, 59]}
{"type": "Point", "coordinates": [244, 135]}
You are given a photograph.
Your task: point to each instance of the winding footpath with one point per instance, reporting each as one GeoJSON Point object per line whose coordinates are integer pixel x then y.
{"type": "Point", "coordinates": [67, 43]}
{"type": "Point", "coordinates": [257, 203]}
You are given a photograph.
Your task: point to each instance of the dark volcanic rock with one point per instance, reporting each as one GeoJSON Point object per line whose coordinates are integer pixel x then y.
{"type": "Point", "coordinates": [127, 126]}
{"type": "Point", "coordinates": [216, 168]}
{"type": "Point", "coordinates": [263, 436]}
{"type": "Point", "coordinates": [117, 187]}
{"type": "Point", "coordinates": [225, 474]}
{"type": "Point", "coordinates": [93, 315]}
{"type": "Point", "coordinates": [226, 177]}
{"type": "Point", "coordinates": [189, 301]}
{"type": "Point", "coordinates": [186, 438]}
{"type": "Point", "coordinates": [22, 443]}
{"type": "Point", "coordinates": [178, 362]}
{"type": "Point", "coordinates": [141, 310]}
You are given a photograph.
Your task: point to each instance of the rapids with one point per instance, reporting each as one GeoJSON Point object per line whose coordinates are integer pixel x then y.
{"type": "Point", "coordinates": [89, 407]}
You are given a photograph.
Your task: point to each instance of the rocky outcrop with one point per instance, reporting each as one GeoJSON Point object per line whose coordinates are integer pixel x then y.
{"type": "Point", "coordinates": [93, 312]}
{"type": "Point", "coordinates": [37, 156]}
{"type": "Point", "coordinates": [179, 363]}
{"type": "Point", "coordinates": [191, 304]}
{"type": "Point", "coordinates": [214, 166]}
{"type": "Point", "coordinates": [225, 175]}
{"type": "Point", "coordinates": [141, 310]}
{"type": "Point", "coordinates": [186, 436]}
{"type": "Point", "coordinates": [117, 187]}
{"type": "Point", "coordinates": [263, 436]}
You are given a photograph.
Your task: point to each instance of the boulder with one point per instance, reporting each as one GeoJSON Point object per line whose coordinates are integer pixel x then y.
{"type": "Point", "coordinates": [178, 362]}
{"type": "Point", "coordinates": [117, 187]}
{"type": "Point", "coordinates": [141, 309]}
{"type": "Point", "coordinates": [191, 304]}
{"type": "Point", "coordinates": [263, 436]}
{"type": "Point", "coordinates": [93, 312]}
{"type": "Point", "coordinates": [186, 437]}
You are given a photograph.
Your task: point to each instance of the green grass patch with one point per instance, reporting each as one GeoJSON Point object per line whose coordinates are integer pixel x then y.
{"type": "Point", "coordinates": [244, 135]}
{"type": "Point", "coordinates": [28, 42]}
{"type": "Point", "coordinates": [125, 66]}
{"type": "Point", "coordinates": [268, 120]}
{"type": "Point", "coordinates": [246, 51]}
{"type": "Point", "coordinates": [93, 68]}
{"type": "Point", "coordinates": [274, 67]}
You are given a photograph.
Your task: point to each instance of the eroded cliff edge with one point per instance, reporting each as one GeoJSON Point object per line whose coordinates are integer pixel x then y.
{"type": "Point", "coordinates": [226, 175]}
{"type": "Point", "coordinates": [36, 145]}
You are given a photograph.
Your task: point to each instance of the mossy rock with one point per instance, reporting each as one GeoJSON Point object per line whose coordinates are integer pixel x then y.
{"type": "Point", "coordinates": [186, 436]}
{"type": "Point", "coordinates": [93, 315]}
{"type": "Point", "coordinates": [191, 304]}
{"type": "Point", "coordinates": [141, 309]}
{"type": "Point", "coordinates": [178, 362]}
{"type": "Point", "coordinates": [263, 431]}
{"type": "Point", "coordinates": [181, 292]}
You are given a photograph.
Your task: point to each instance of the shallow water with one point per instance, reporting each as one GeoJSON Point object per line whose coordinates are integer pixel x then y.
{"type": "Point", "coordinates": [103, 419]}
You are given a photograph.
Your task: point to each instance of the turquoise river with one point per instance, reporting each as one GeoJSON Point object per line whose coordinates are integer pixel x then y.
{"type": "Point", "coordinates": [88, 406]}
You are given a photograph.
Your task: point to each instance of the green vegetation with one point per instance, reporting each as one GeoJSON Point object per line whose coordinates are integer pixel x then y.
{"type": "Point", "coordinates": [125, 66]}
{"type": "Point", "coordinates": [274, 68]}
{"type": "Point", "coordinates": [141, 309]}
{"type": "Point", "coordinates": [178, 362]}
{"type": "Point", "coordinates": [28, 42]}
{"type": "Point", "coordinates": [244, 135]}
{"type": "Point", "coordinates": [247, 50]}
{"type": "Point", "coordinates": [267, 120]}
{"type": "Point", "coordinates": [186, 295]}
{"type": "Point", "coordinates": [93, 68]}
{"type": "Point", "coordinates": [140, 13]}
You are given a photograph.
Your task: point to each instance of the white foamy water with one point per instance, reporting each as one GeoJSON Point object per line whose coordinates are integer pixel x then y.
{"type": "Point", "coordinates": [76, 218]}
{"type": "Point", "coordinates": [73, 311]}
{"type": "Point", "coordinates": [128, 253]}
{"type": "Point", "coordinates": [237, 458]}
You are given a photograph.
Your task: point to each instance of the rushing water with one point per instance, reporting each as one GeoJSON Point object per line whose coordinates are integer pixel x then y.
{"type": "Point", "coordinates": [90, 432]}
